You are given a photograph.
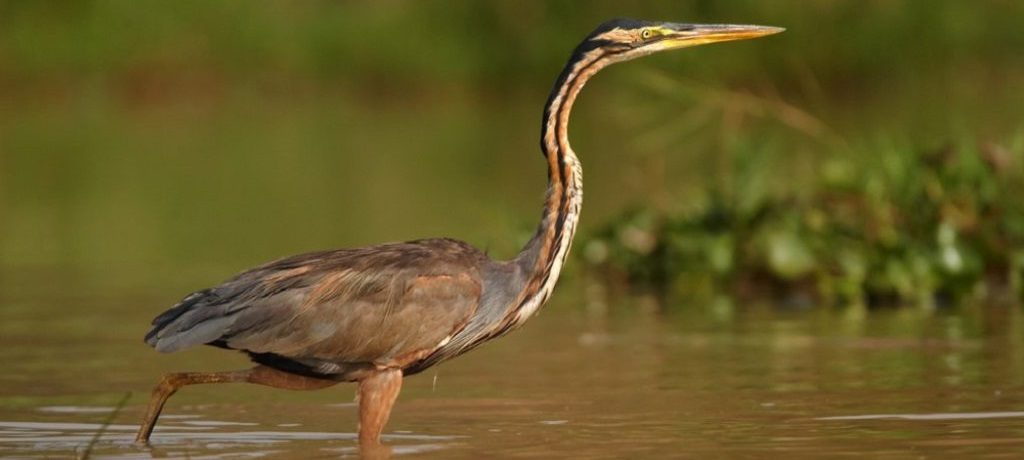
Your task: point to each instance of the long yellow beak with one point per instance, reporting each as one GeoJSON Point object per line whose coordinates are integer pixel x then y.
{"type": "Point", "coordinates": [685, 35]}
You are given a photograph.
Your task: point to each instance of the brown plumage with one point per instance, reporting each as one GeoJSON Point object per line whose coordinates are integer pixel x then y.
{"type": "Point", "coordinates": [376, 314]}
{"type": "Point", "coordinates": [335, 314]}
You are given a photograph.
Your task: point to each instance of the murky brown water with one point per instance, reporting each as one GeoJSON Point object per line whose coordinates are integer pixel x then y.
{"type": "Point", "coordinates": [577, 382]}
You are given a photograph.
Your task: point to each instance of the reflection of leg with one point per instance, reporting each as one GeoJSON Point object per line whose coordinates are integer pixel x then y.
{"type": "Point", "coordinates": [377, 394]}
{"type": "Point", "coordinates": [260, 375]}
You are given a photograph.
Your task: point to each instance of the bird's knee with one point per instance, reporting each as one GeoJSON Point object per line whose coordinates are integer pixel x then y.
{"type": "Point", "coordinates": [170, 383]}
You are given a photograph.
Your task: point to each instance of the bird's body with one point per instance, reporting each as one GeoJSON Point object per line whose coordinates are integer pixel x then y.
{"type": "Point", "coordinates": [338, 314]}
{"type": "Point", "coordinates": [377, 313]}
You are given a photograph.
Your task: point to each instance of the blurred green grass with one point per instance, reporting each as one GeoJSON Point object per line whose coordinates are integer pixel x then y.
{"type": "Point", "coordinates": [148, 142]}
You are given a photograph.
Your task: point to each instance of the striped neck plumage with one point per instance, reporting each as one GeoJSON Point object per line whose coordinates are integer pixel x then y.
{"type": "Point", "coordinates": [546, 252]}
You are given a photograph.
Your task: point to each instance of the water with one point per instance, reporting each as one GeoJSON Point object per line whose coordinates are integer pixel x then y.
{"type": "Point", "coordinates": [580, 381]}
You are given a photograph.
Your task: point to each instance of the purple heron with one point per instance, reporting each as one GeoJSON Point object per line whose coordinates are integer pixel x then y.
{"type": "Point", "coordinates": [374, 315]}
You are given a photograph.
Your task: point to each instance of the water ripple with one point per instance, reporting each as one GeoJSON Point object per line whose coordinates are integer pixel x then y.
{"type": "Point", "coordinates": [935, 416]}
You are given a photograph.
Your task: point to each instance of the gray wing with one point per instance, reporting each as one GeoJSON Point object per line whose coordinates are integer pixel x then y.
{"type": "Point", "coordinates": [385, 305]}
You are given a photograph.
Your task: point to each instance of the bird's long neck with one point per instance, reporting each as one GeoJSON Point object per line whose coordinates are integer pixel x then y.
{"type": "Point", "coordinates": [543, 256]}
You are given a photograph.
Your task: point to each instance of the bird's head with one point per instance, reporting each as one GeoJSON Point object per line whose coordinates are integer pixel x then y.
{"type": "Point", "coordinates": [625, 39]}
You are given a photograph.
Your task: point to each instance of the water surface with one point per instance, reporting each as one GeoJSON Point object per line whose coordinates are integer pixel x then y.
{"type": "Point", "coordinates": [625, 380]}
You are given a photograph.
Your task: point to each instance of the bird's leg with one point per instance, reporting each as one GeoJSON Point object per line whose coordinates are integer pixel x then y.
{"type": "Point", "coordinates": [268, 376]}
{"type": "Point", "coordinates": [377, 394]}
{"type": "Point", "coordinates": [260, 375]}
{"type": "Point", "coordinates": [170, 384]}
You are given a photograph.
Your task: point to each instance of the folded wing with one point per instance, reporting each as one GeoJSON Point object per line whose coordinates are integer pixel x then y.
{"type": "Point", "coordinates": [332, 312]}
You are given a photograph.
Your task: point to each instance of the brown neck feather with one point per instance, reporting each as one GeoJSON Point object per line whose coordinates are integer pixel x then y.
{"type": "Point", "coordinates": [545, 254]}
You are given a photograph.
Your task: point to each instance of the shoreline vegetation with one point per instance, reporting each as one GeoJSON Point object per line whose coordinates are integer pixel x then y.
{"type": "Point", "coordinates": [927, 228]}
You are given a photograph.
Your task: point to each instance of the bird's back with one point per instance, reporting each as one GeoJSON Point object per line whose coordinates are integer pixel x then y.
{"type": "Point", "coordinates": [336, 313]}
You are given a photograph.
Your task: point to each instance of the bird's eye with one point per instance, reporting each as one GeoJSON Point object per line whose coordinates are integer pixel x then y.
{"type": "Point", "coordinates": [646, 33]}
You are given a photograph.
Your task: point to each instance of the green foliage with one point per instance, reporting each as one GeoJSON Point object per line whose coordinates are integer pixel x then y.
{"type": "Point", "coordinates": [885, 226]}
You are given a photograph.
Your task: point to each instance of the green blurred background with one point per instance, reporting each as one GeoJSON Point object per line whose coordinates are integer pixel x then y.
{"type": "Point", "coordinates": [170, 144]}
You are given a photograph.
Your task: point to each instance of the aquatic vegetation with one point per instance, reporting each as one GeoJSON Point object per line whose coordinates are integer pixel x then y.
{"type": "Point", "coordinates": [883, 227]}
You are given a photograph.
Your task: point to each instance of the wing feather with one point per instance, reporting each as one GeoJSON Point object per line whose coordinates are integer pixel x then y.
{"type": "Point", "coordinates": [382, 305]}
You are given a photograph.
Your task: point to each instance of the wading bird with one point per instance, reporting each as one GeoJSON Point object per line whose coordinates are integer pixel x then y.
{"type": "Point", "coordinates": [373, 315]}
